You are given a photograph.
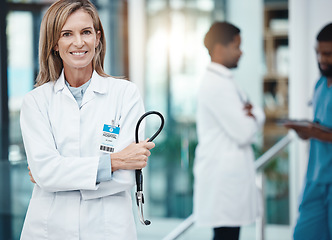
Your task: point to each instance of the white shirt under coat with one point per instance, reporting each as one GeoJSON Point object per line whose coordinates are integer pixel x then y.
{"type": "Point", "coordinates": [62, 145]}
{"type": "Point", "coordinates": [225, 193]}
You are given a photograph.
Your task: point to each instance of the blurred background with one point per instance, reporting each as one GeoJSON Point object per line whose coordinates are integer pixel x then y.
{"type": "Point", "coordinates": [158, 44]}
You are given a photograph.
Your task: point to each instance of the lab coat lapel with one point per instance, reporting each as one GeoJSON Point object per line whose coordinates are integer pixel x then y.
{"type": "Point", "coordinates": [60, 85]}
{"type": "Point", "coordinates": [94, 88]}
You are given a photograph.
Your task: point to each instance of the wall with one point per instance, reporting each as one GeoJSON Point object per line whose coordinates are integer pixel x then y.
{"type": "Point", "coordinates": [136, 19]}
{"type": "Point", "coordinates": [249, 75]}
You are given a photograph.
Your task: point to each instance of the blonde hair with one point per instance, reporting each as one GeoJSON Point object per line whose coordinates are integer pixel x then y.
{"type": "Point", "coordinates": [50, 63]}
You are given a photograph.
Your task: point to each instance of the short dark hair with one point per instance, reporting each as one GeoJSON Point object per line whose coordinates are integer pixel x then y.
{"type": "Point", "coordinates": [220, 32]}
{"type": "Point", "coordinates": [325, 35]}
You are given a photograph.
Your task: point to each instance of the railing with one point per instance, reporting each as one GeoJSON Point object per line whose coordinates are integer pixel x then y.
{"type": "Point", "coordinates": [263, 160]}
{"type": "Point", "coordinates": [260, 163]}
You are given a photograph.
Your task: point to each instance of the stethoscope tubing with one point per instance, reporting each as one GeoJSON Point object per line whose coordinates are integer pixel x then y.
{"type": "Point", "coordinates": [157, 132]}
{"type": "Point", "coordinates": [138, 172]}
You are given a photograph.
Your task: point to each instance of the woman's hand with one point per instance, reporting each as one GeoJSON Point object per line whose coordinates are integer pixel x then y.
{"type": "Point", "coordinates": [135, 156]}
{"type": "Point", "coordinates": [31, 177]}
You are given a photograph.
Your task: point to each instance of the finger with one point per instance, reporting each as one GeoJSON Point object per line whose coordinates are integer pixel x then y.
{"type": "Point", "coordinates": [148, 153]}
{"type": "Point", "coordinates": [248, 106]}
{"type": "Point", "coordinates": [138, 165]}
{"type": "Point", "coordinates": [32, 180]}
{"type": "Point", "coordinates": [150, 145]}
{"type": "Point", "coordinates": [143, 165]}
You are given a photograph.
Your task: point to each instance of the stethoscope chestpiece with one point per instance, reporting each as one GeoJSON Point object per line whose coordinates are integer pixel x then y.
{"type": "Point", "coordinates": [140, 202]}
{"type": "Point", "coordinates": [138, 172]}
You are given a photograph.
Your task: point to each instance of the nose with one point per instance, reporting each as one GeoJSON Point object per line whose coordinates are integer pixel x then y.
{"type": "Point", "coordinates": [78, 42]}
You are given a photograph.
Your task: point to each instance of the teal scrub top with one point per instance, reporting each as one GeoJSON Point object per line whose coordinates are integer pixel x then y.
{"type": "Point", "coordinates": [320, 156]}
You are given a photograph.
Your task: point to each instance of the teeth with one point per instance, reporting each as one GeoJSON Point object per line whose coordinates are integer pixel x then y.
{"type": "Point", "coordinates": [78, 53]}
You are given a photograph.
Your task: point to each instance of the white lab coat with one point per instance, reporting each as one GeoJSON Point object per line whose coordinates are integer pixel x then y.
{"type": "Point", "coordinates": [225, 193]}
{"type": "Point", "coordinates": [62, 146]}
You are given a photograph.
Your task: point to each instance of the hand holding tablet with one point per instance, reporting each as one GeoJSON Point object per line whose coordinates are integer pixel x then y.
{"type": "Point", "coordinates": [307, 129]}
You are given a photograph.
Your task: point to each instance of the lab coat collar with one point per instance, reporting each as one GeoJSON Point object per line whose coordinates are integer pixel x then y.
{"type": "Point", "coordinates": [220, 69]}
{"type": "Point", "coordinates": [60, 83]}
{"type": "Point", "coordinates": [95, 84]}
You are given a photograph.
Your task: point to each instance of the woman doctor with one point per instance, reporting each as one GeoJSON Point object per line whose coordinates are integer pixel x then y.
{"type": "Point", "coordinates": [78, 130]}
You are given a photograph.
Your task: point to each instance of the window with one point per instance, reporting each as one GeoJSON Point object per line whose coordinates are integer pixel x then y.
{"type": "Point", "coordinates": [175, 59]}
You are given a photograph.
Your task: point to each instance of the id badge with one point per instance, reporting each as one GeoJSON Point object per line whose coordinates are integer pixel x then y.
{"type": "Point", "coordinates": [109, 138]}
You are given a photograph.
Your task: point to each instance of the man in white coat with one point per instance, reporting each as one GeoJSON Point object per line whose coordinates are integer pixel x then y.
{"type": "Point", "coordinates": [225, 193]}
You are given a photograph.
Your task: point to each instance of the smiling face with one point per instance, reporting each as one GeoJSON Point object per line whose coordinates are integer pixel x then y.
{"type": "Point", "coordinates": [77, 42]}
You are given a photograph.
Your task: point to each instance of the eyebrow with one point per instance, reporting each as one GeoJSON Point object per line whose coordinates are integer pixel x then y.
{"type": "Point", "coordinates": [86, 28]}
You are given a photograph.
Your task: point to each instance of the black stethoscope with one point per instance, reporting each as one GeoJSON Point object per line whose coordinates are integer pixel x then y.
{"type": "Point", "coordinates": [138, 172]}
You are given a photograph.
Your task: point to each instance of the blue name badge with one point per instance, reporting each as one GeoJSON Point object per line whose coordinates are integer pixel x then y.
{"type": "Point", "coordinates": [109, 138]}
{"type": "Point", "coordinates": [111, 129]}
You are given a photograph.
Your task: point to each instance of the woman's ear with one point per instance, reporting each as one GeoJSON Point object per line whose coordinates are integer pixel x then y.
{"type": "Point", "coordinates": [56, 48]}
{"type": "Point", "coordinates": [98, 35]}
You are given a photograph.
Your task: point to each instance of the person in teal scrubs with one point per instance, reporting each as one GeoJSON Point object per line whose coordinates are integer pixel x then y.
{"type": "Point", "coordinates": [315, 211]}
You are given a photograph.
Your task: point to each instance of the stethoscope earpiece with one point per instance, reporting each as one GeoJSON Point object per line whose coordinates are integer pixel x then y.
{"type": "Point", "coordinates": [138, 172]}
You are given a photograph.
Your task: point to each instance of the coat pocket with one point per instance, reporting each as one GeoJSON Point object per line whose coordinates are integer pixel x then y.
{"type": "Point", "coordinates": [35, 224]}
{"type": "Point", "coordinates": [119, 218]}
